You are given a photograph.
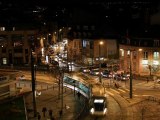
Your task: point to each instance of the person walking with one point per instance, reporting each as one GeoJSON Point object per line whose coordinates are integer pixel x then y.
{"type": "Point", "coordinates": [147, 79]}
{"type": "Point", "coordinates": [39, 116]}
{"type": "Point", "coordinates": [44, 110]}
{"type": "Point", "coordinates": [50, 113]}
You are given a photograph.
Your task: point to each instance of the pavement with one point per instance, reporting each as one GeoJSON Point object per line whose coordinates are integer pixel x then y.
{"type": "Point", "coordinates": [72, 106]}
{"type": "Point", "coordinates": [50, 97]}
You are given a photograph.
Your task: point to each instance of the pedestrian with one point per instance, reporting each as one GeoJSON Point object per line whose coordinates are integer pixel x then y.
{"type": "Point", "coordinates": [60, 113]}
{"type": "Point", "coordinates": [44, 110]}
{"type": "Point", "coordinates": [39, 116]}
{"type": "Point", "coordinates": [78, 94]}
{"type": "Point", "coordinates": [116, 85]}
{"type": "Point", "coordinates": [52, 118]}
{"type": "Point", "coordinates": [50, 113]}
{"type": "Point", "coordinates": [147, 79]}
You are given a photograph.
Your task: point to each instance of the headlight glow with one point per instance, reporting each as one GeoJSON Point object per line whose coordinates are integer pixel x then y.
{"type": "Point", "coordinates": [92, 110]}
{"type": "Point", "coordinates": [104, 111]}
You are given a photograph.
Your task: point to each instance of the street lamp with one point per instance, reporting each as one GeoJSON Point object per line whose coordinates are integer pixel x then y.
{"type": "Point", "coordinates": [130, 74]}
{"type": "Point", "coordinates": [131, 77]}
{"type": "Point", "coordinates": [60, 91]}
{"type": "Point", "coordinates": [33, 82]}
{"type": "Point", "coordinates": [100, 77]}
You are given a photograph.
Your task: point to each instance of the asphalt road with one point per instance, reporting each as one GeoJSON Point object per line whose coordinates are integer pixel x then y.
{"type": "Point", "coordinates": [119, 103]}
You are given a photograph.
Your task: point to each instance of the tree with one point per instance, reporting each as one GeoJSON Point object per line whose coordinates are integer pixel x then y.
{"type": "Point", "coordinates": [153, 69]}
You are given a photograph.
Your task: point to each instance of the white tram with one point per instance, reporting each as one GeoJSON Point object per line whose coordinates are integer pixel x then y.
{"type": "Point", "coordinates": [98, 101]}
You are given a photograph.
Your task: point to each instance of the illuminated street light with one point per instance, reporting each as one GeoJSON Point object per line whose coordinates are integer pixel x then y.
{"type": "Point", "coordinates": [100, 77]}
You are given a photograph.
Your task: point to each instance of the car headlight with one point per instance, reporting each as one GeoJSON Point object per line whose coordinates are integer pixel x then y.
{"type": "Point", "coordinates": [92, 110]}
{"type": "Point", "coordinates": [105, 111]}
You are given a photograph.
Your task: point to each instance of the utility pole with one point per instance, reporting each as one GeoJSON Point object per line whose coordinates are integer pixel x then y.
{"type": "Point", "coordinates": [130, 74]}
{"type": "Point", "coordinates": [100, 76]}
{"type": "Point", "coordinates": [33, 82]}
{"type": "Point", "coordinates": [61, 77]}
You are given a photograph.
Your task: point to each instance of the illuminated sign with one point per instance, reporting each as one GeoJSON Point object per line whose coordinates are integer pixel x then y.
{"type": "Point", "coordinates": [144, 62]}
{"type": "Point", "coordinates": [155, 62]}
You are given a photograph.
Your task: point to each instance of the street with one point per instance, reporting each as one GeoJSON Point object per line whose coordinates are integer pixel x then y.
{"type": "Point", "coordinates": [119, 103]}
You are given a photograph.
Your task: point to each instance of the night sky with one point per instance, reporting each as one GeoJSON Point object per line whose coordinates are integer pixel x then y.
{"type": "Point", "coordinates": [115, 15]}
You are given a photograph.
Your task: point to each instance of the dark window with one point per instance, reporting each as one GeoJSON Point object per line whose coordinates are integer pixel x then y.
{"type": "Point", "coordinates": [17, 40]}
{"type": "Point", "coordinates": [4, 50]}
{"type": "Point", "coordinates": [91, 45]}
{"type": "Point", "coordinates": [26, 51]}
{"type": "Point", "coordinates": [18, 50]}
{"type": "Point", "coordinates": [27, 59]}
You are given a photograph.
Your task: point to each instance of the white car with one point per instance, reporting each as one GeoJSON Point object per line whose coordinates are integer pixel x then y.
{"type": "Point", "coordinates": [158, 81]}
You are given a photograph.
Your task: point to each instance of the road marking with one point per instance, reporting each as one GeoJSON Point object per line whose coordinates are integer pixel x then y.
{"type": "Point", "coordinates": [115, 91]}
{"type": "Point", "coordinates": [126, 89]}
{"type": "Point", "coordinates": [140, 83]}
{"type": "Point", "coordinates": [122, 90]}
{"type": "Point", "coordinates": [110, 93]}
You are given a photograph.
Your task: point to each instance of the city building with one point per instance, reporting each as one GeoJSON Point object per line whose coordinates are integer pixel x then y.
{"type": "Point", "coordinates": [89, 51]}
{"type": "Point", "coordinates": [81, 44]}
{"type": "Point", "coordinates": [142, 54]}
{"type": "Point", "coordinates": [15, 46]}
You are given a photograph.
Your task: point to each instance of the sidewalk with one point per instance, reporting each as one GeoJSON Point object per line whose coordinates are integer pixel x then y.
{"type": "Point", "coordinates": [49, 98]}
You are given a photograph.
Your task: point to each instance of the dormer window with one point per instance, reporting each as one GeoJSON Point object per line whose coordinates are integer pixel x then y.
{"type": "Point", "coordinates": [156, 43]}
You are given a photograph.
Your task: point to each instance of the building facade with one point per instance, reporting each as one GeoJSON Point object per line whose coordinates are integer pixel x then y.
{"type": "Point", "coordinates": [89, 51]}
{"type": "Point", "coordinates": [142, 55]}
{"type": "Point", "coordinates": [15, 46]}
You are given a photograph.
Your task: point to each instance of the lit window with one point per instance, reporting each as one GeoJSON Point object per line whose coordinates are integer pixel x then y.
{"type": "Point", "coordinates": [155, 55]}
{"type": "Point", "coordinates": [2, 28]}
{"type": "Point", "coordinates": [128, 52]}
{"type": "Point", "coordinates": [13, 29]}
{"type": "Point", "coordinates": [4, 61]}
{"type": "Point", "coordinates": [145, 55]}
{"type": "Point", "coordinates": [122, 52]}
{"type": "Point", "coordinates": [145, 62]}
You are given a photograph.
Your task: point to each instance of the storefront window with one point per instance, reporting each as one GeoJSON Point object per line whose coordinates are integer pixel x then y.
{"type": "Point", "coordinates": [4, 60]}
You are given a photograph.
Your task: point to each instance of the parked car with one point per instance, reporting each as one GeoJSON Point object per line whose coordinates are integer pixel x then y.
{"type": "Point", "coordinates": [85, 70]}
{"type": "Point", "coordinates": [158, 81]}
{"type": "Point", "coordinates": [94, 71]}
{"type": "Point", "coordinates": [106, 74]}
{"type": "Point", "coordinates": [121, 77]}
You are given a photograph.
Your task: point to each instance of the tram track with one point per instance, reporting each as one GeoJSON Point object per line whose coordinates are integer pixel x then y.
{"type": "Point", "coordinates": [125, 113]}
{"type": "Point", "coordinates": [118, 112]}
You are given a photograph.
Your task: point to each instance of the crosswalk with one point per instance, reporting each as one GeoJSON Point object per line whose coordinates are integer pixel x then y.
{"type": "Point", "coordinates": [125, 91]}
{"type": "Point", "coordinates": [148, 85]}
{"type": "Point", "coordinates": [119, 90]}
